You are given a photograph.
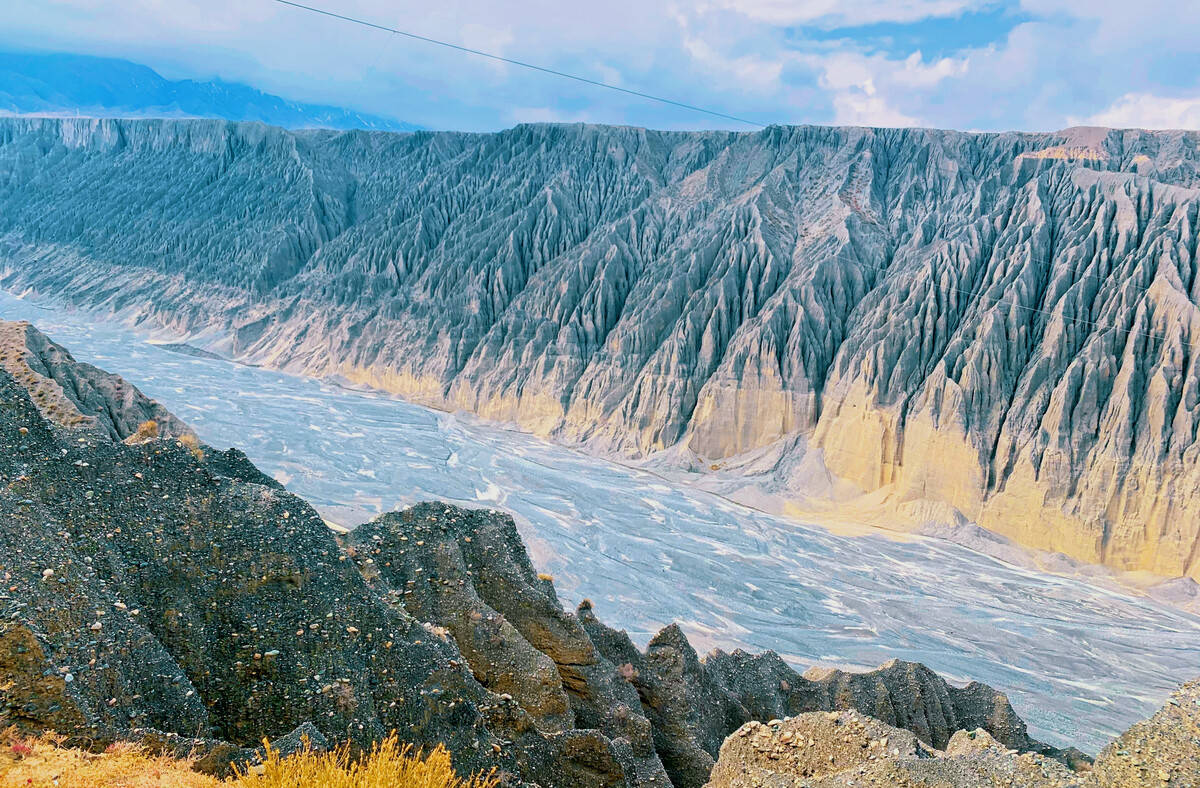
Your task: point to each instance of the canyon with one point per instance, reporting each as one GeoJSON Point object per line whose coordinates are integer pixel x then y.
{"type": "Point", "coordinates": [161, 591]}
{"type": "Point", "coordinates": [954, 327]}
{"type": "Point", "coordinates": [164, 593]}
{"type": "Point", "coordinates": [1079, 657]}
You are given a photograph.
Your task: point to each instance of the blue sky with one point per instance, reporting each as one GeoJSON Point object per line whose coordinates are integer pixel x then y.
{"type": "Point", "coordinates": [968, 64]}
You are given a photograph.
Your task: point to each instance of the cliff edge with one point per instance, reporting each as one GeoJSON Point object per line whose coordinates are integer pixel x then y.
{"type": "Point", "coordinates": [173, 595]}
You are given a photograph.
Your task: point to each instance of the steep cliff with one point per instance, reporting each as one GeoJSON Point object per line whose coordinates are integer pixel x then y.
{"type": "Point", "coordinates": [181, 599]}
{"type": "Point", "coordinates": [996, 325]}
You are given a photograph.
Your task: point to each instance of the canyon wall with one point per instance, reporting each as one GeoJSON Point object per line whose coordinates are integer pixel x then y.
{"type": "Point", "coordinates": [1000, 325]}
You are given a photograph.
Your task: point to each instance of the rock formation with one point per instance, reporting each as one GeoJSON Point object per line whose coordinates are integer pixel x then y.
{"type": "Point", "coordinates": [178, 597]}
{"type": "Point", "coordinates": [997, 327]}
{"type": "Point", "coordinates": [1163, 750]}
{"type": "Point", "coordinates": [71, 394]}
{"type": "Point", "coordinates": [827, 750]}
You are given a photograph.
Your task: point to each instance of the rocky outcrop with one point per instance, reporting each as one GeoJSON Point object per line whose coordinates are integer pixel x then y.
{"type": "Point", "coordinates": [996, 327]}
{"type": "Point", "coordinates": [71, 394]}
{"type": "Point", "coordinates": [466, 574]}
{"type": "Point", "coordinates": [693, 703]}
{"type": "Point", "coordinates": [148, 595]}
{"type": "Point", "coordinates": [1163, 750]}
{"type": "Point", "coordinates": [181, 599]}
{"type": "Point", "coordinates": [824, 750]}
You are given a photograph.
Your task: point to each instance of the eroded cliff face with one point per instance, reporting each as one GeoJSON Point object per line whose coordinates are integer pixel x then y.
{"type": "Point", "coordinates": [998, 324]}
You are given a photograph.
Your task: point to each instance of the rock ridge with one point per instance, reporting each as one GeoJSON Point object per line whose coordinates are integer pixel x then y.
{"type": "Point", "coordinates": [996, 327]}
{"type": "Point", "coordinates": [182, 599]}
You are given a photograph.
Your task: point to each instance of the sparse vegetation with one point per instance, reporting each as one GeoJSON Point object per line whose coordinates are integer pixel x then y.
{"type": "Point", "coordinates": [146, 431]}
{"type": "Point", "coordinates": [545, 576]}
{"type": "Point", "coordinates": [390, 764]}
{"type": "Point", "coordinates": [44, 762]}
{"type": "Point", "coordinates": [41, 763]}
{"type": "Point", "coordinates": [192, 443]}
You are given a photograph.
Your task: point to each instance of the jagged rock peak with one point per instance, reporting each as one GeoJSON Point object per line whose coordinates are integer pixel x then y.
{"type": "Point", "coordinates": [79, 396]}
{"type": "Point", "coordinates": [828, 750]}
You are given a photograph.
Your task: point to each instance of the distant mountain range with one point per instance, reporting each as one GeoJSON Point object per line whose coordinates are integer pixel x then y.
{"type": "Point", "coordinates": [65, 84]}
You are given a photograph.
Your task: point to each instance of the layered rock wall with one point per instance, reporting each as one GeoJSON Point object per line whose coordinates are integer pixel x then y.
{"type": "Point", "coordinates": [998, 324]}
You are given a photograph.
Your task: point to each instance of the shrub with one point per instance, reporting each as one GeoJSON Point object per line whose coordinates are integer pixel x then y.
{"type": "Point", "coordinates": [390, 764]}
{"type": "Point", "coordinates": [146, 431]}
{"type": "Point", "coordinates": [192, 443]}
{"type": "Point", "coordinates": [44, 762]}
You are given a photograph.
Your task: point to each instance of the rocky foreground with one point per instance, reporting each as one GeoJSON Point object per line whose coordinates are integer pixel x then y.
{"type": "Point", "coordinates": [161, 591]}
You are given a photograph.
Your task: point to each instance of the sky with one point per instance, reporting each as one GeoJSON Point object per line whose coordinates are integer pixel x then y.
{"type": "Point", "coordinates": [987, 65]}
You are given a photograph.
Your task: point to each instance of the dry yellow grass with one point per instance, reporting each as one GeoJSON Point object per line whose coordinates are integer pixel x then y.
{"type": "Point", "coordinates": [390, 764]}
{"type": "Point", "coordinates": [193, 444]}
{"type": "Point", "coordinates": [42, 763]}
{"type": "Point", "coordinates": [146, 431]}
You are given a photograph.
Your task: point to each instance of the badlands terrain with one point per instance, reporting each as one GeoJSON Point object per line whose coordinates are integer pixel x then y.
{"type": "Point", "coordinates": [167, 593]}
{"type": "Point", "coordinates": [944, 327]}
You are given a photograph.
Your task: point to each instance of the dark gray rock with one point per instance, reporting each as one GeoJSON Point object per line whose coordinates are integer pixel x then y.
{"type": "Point", "coordinates": [144, 590]}
{"type": "Point", "coordinates": [183, 600]}
{"type": "Point", "coordinates": [468, 572]}
{"type": "Point", "coordinates": [72, 394]}
{"type": "Point", "coordinates": [694, 704]}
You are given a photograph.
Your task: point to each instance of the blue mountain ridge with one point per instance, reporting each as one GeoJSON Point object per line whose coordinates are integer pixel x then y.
{"type": "Point", "coordinates": [62, 83]}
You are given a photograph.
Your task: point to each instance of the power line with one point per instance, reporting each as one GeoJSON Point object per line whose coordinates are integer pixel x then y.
{"type": "Point", "coordinates": [974, 294]}
{"type": "Point", "coordinates": [522, 64]}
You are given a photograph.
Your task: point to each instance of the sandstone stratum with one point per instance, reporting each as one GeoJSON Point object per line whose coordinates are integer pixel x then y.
{"type": "Point", "coordinates": [945, 327]}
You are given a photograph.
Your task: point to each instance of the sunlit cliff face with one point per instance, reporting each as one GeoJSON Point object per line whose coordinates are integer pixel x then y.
{"type": "Point", "coordinates": [996, 327]}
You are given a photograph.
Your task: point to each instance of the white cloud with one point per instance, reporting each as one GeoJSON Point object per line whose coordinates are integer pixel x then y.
{"type": "Point", "coordinates": [859, 108]}
{"type": "Point", "coordinates": [1146, 111]}
{"type": "Point", "coordinates": [1097, 60]}
{"type": "Point", "coordinates": [870, 90]}
{"type": "Point", "coordinates": [846, 12]}
{"type": "Point", "coordinates": [747, 72]}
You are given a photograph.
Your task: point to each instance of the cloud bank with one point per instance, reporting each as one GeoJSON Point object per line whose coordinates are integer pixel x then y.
{"type": "Point", "coordinates": [968, 64]}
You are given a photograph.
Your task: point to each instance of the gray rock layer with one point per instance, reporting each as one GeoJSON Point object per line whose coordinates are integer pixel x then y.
{"type": "Point", "coordinates": [183, 600]}
{"type": "Point", "coordinates": [1003, 324]}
